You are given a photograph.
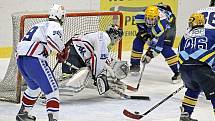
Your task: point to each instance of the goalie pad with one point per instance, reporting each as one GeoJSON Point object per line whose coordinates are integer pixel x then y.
{"type": "Point", "coordinates": [120, 69]}
{"type": "Point", "coordinates": [79, 79]}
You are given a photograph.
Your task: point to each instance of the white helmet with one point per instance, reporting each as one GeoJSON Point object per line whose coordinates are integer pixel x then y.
{"type": "Point", "coordinates": [57, 12]}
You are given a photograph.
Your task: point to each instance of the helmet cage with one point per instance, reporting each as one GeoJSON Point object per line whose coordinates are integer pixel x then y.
{"type": "Point", "coordinates": [115, 33]}
{"type": "Point", "coordinates": [151, 21]}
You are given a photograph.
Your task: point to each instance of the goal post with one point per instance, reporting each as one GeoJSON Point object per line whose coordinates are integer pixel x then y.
{"type": "Point", "coordinates": [75, 23]}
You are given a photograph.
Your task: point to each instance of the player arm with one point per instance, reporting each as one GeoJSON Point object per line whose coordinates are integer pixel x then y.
{"type": "Point", "coordinates": [54, 40]}
{"type": "Point", "coordinates": [142, 28]}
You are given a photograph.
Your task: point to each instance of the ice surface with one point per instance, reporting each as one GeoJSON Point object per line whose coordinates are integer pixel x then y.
{"type": "Point", "coordinates": [4, 62]}
{"type": "Point", "coordinates": [89, 106]}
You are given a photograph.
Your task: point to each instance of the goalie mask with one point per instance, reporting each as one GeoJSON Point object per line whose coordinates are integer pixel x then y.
{"type": "Point", "coordinates": [115, 33]}
{"type": "Point", "coordinates": [57, 12]}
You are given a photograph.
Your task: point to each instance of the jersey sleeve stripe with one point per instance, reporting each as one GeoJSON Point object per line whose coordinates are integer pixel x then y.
{"type": "Point", "coordinates": [53, 44]}
{"type": "Point", "coordinates": [34, 48]}
{"type": "Point", "coordinates": [207, 56]}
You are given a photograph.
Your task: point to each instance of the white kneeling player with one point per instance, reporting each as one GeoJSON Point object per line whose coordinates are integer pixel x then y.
{"type": "Point", "coordinates": [89, 56]}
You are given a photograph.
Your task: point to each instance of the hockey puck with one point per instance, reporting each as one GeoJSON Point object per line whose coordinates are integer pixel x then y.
{"type": "Point", "coordinates": [137, 112]}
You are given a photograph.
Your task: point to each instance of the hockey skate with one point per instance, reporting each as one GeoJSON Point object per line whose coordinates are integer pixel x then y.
{"type": "Point", "coordinates": [51, 117]}
{"type": "Point", "coordinates": [134, 68]}
{"type": "Point", "coordinates": [25, 117]}
{"type": "Point", "coordinates": [185, 116]}
{"type": "Point", "coordinates": [176, 78]}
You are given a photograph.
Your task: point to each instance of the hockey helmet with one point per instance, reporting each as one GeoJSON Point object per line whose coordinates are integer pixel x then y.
{"type": "Point", "coordinates": [57, 12]}
{"type": "Point", "coordinates": [115, 33]}
{"type": "Point", "coordinates": [196, 19]}
{"type": "Point", "coordinates": [151, 16]}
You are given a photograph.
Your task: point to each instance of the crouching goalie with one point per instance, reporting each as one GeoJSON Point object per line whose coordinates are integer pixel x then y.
{"type": "Point", "coordinates": [89, 57]}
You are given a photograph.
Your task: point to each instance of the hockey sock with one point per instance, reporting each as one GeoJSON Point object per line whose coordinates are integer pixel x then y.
{"type": "Point", "coordinates": [172, 62]}
{"type": "Point", "coordinates": [53, 104]}
{"type": "Point", "coordinates": [29, 99]}
{"type": "Point", "coordinates": [190, 100]}
{"type": "Point", "coordinates": [213, 103]}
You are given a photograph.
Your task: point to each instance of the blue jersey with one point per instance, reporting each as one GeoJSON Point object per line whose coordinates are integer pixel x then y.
{"type": "Point", "coordinates": [209, 17]}
{"type": "Point", "coordinates": [157, 31]}
{"type": "Point", "coordinates": [198, 44]}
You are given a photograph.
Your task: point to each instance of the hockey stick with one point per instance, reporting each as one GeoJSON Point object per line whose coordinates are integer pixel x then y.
{"type": "Point", "coordinates": [139, 80]}
{"type": "Point", "coordinates": [55, 66]}
{"type": "Point", "coordinates": [138, 116]}
{"type": "Point", "coordinates": [125, 96]}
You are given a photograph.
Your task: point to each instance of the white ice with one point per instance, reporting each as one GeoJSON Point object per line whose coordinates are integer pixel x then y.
{"type": "Point", "coordinates": [89, 106]}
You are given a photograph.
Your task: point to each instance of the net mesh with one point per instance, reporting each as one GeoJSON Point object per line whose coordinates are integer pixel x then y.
{"type": "Point", "coordinates": [75, 23]}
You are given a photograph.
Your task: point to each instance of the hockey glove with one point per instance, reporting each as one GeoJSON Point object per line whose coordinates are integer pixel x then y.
{"type": "Point", "coordinates": [62, 56]}
{"type": "Point", "coordinates": [149, 55]}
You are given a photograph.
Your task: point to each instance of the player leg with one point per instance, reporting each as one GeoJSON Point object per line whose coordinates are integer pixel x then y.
{"type": "Point", "coordinates": [206, 79]}
{"type": "Point", "coordinates": [46, 81]}
{"type": "Point", "coordinates": [191, 94]}
{"type": "Point", "coordinates": [172, 60]}
{"type": "Point", "coordinates": [49, 87]}
{"type": "Point", "coordinates": [136, 54]}
{"type": "Point", "coordinates": [31, 93]}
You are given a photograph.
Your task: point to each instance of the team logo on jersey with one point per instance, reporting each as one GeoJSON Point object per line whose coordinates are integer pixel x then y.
{"type": "Point", "coordinates": [81, 49]}
{"type": "Point", "coordinates": [58, 33]}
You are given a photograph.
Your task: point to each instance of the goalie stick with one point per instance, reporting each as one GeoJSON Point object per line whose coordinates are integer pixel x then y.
{"type": "Point", "coordinates": [139, 80]}
{"type": "Point", "coordinates": [125, 96]}
{"type": "Point", "coordinates": [138, 116]}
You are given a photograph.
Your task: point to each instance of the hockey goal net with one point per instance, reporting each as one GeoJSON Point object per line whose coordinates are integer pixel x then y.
{"type": "Point", "coordinates": [75, 23]}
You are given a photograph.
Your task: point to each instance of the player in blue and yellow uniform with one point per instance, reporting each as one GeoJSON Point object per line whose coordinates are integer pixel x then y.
{"type": "Point", "coordinates": [156, 27]}
{"type": "Point", "coordinates": [197, 58]}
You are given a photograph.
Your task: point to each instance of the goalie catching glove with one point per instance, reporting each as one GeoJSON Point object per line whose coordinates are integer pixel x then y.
{"type": "Point", "coordinates": [115, 71]}
{"type": "Point", "coordinates": [120, 69]}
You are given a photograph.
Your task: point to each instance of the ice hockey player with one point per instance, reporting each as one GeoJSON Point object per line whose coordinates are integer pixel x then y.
{"type": "Point", "coordinates": [32, 53]}
{"type": "Point", "coordinates": [156, 27]}
{"type": "Point", "coordinates": [197, 58]}
{"type": "Point", "coordinates": [92, 50]}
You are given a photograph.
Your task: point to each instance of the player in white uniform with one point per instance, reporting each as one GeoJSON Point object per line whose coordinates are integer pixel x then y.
{"type": "Point", "coordinates": [32, 53]}
{"type": "Point", "coordinates": [92, 50]}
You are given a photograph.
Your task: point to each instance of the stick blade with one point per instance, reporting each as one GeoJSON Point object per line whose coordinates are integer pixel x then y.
{"type": "Point", "coordinates": [132, 88]}
{"type": "Point", "coordinates": [140, 97]}
{"type": "Point", "coordinates": [132, 115]}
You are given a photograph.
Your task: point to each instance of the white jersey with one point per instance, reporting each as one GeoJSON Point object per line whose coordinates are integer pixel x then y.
{"type": "Point", "coordinates": [93, 49]}
{"type": "Point", "coordinates": [209, 14]}
{"type": "Point", "coordinates": [41, 39]}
